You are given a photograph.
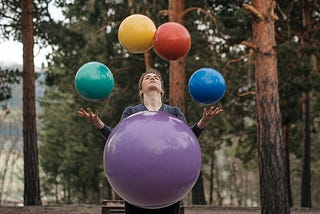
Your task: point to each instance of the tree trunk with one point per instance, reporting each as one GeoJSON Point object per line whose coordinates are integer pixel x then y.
{"type": "Point", "coordinates": [219, 189]}
{"type": "Point", "coordinates": [177, 75]}
{"type": "Point", "coordinates": [286, 140]}
{"type": "Point", "coordinates": [177, 79]}
{"type": "Point", "coordinates": [211, 176]}
{"type": "Point", "coordinates": [148, 59]}
{"type": "Point", "coordinates": [306, 174]}
{"type": "Point", "coordinates": [197, 192]}
{"type": "Point", "coordinates": [273, 188]}
{"type": "Point", "coordinates": [30, 149]}
{"type": "Point", "coordinates": [147, 55]}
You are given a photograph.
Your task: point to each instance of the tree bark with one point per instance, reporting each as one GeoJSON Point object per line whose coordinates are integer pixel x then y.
{"type": "Point", "coordinates": [212, 163]}
{"type": "Point", "coordinates": [147, 55]}
{"type": "Point", "coordinates": [306, 174]}
{"type": "Point", "coordinates": [306, 200]}
{"type": "Point", "coordinates": [273, 188]}
{"type": "Point", "coordinates": [148, 59]}
{"type": "Point", "coordinates": [30, 149]}
{"type": "Point", "coordinates": [177, 75]}
{"type": "Point", "coordinates": [177, 79]}
{"type": "Point", "coordinates": [198, 193]}
{"type": "Point", "coordinates": [286, 140]}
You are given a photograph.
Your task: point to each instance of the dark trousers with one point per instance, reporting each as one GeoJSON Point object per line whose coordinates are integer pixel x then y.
{"type": "Point", "coordinates": [172, 209]}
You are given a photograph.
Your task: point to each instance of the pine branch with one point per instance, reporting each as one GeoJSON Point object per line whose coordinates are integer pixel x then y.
{"type": "Point", "coordinates": [215, 23]}
{"type": "Point", "coordinates": [273, 6]}
{"type": "Point", "coordinates": [249, 45]}
{"type": "Point", "coordinates": [163, 13]}
{"type": "Point", "coordinates": [246, 93]}
{"type": "Point", "coordinates": [283, 14]}
{"type": "Point", "coordinates": [233, 61]}
{"type": "Point", "coordinates": [253, 10]}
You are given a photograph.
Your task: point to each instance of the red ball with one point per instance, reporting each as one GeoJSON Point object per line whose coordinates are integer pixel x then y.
{"type": "Point", "coordinates": [171, 41]}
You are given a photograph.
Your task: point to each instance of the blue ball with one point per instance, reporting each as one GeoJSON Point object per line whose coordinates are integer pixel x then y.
{"type": "Point", "coordinates": [206, 86]}
{"type": "Point", "coordinates": [94, 81]}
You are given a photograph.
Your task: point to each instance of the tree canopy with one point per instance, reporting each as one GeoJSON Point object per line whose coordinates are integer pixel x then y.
{"type": "Point", "coordinates": [221, 31]}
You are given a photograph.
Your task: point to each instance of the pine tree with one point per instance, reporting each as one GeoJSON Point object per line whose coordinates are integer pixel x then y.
{"type": "Point", "coordinates": [273, 188]}
{"type": "Point", "coordinates": [30, 147]}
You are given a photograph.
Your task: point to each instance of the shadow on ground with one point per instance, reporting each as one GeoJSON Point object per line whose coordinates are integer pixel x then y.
{"type": "Point", "coordinates": [96, 209]}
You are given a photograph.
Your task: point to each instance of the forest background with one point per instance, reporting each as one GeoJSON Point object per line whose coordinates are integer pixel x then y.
{"type": "Point", "coordinates": [71, 150]}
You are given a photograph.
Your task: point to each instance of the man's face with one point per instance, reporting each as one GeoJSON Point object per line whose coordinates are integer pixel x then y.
{"type": "Point", "coordinates": [151, 82]}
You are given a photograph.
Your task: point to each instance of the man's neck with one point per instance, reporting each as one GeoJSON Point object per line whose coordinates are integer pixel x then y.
{"type": "Point", "coordinates": [152, 101]}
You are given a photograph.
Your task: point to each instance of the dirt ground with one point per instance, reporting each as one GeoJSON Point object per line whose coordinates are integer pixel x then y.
{"type": "Point", "coordinates": [96, 209]}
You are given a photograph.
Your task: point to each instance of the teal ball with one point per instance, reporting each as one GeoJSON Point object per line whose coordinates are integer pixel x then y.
{"type": "Point", "coordinates": [94, 81]}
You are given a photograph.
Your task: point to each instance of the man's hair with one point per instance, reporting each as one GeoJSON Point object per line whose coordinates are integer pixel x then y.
{"type": "Point", "coordinates": [152, 71]}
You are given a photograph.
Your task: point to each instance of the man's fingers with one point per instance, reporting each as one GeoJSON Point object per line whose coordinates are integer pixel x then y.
{"type": "Point", "coordinates": [204, 112]}
{"type": "Point", "coordinates": [90, 113]}
{"type": "Point", "coordinates": [81, 114]}
{"type": "Point", "coordinates": [218, 110]}
{"type": "Point", "coordinates": [211, 110]}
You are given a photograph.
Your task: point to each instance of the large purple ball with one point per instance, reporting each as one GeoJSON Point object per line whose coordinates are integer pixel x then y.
{"type": "Point", "coordinates": [152, 159]}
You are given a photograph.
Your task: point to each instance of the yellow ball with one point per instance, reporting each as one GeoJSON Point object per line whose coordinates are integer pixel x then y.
{"type": "Point", "coordinates": [136, 33]}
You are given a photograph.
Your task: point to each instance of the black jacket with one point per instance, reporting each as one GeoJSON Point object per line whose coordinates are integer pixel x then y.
{"type": "Point", "coordinates": [175, 111]}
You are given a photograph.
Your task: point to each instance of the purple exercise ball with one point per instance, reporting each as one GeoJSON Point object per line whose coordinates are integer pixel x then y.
{"type": "Point", "coordinates": [152, 159]}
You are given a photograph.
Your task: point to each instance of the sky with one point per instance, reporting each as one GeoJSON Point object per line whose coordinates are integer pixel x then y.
{"type": "Point", "coordinates": [11, 51]}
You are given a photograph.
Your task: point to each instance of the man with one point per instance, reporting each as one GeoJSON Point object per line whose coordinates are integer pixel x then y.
{"type": "Point", "coordinates": [151, 91]}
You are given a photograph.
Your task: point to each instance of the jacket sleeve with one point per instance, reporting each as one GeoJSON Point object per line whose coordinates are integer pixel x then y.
{"type": "Point", "coordinates": [105, 131]}
{"type": "Point", "coordinates": [126, 113]}
{"type": "Point", "coordinates": [196, 130]}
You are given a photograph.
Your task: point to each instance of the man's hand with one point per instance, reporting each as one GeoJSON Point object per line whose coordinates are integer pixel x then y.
{"type": "Point", "coordinates": [93, 117]}
{"type": "Point", "coordinates": [207, 115]}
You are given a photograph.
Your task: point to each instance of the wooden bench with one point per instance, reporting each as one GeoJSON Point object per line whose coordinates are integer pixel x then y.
{"type": "Point", "coordinates": [112, 206]}
{"type": "Point", "coordinates": [117, 207]}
